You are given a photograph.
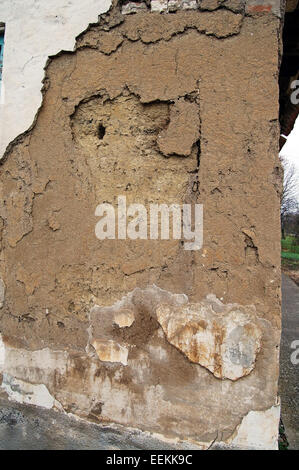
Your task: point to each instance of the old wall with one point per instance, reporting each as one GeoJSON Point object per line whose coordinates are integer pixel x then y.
{"type": "Point", "coordinates": [34, 31]}
{"type": "Point", "coordinates": [160, 108]}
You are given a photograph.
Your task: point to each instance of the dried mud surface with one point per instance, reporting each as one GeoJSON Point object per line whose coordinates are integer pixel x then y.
{"type": "Point", "coordinates": [162, 109]}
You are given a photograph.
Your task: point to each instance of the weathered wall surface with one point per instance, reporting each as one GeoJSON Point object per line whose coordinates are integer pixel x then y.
{"type": "Point", "coordinates": [141, 332]}
{"type": "Point", "coordinates": [34, 31]}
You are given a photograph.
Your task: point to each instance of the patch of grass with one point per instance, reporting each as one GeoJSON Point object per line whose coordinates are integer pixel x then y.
{"type": "Point", "coordinates": [290, 244]}
{"type": "Point", "coordinates": [292, 256]}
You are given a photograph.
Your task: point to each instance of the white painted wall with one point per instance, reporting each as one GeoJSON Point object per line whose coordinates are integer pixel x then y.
{"type": "Point", "coordinates": [35, 30]}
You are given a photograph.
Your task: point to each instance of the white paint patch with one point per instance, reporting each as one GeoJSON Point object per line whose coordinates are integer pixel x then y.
{"type": "Point", "coordinates": [133, 7]}
{"type": "Point", "coordinates": [257, 431]}
{"type": "Point", "coordinates": [24, 392]}
{"type": "Point", "coordinates": [34, 31]}
{"type": "Point", "coordinates": [159, 5]}
{"type": "Point", "coordinates": [36, 365]}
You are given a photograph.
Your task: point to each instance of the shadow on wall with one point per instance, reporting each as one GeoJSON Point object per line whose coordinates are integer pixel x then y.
{"type": "Point", "coordinates": [2, 29]}
{"type": "Point", "coordinates": [289, 71]}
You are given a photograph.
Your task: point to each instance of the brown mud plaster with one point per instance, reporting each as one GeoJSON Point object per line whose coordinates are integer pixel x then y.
{"type": "Point", "coordinates": [132, 79]}
{"type": "Point", "coordinates": [184, 121]}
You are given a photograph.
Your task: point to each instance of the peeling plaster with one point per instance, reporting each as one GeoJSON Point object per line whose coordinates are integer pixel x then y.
{"type": "Point", "coordinates": [34, 377]}
{"type": "Point", "coordinates": [159, 388]}
{"type": "Point", "coordinates": [34, 32]}
{"type": "Point", "coordinates": [124, 318]}
{"type": "Point", "coordinates": [31, 394]}
{"type": "Point", "coordinates": [223, 338]}
{"type": "Point", "coordinates": [110, 351]}
{"type": "Point", "coordinates": [258, 430]}
{"type": "Point", "coordinates": [23, 70]}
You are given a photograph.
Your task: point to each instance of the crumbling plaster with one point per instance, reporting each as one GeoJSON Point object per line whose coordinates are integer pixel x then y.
{"type": "Point", "coordinates": [72, 322]}
{"type": "Point", "coordinates": [154, 391]}
{"type": "Point", "coordinates": [34, 31]}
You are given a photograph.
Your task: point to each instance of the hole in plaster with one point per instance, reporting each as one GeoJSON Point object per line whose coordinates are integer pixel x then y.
{"type": "Point", "coordinates": [101, 131]}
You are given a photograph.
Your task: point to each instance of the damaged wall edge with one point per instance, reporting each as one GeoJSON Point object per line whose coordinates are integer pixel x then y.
{"type": "Point", "coordinates": [256, 430]}
{"type": "Point", "coordinates": [142, 362]}
{"type": "Point", "coordinates": [60, 22]}
{"type": "Point", "coordinates": [22, 98]}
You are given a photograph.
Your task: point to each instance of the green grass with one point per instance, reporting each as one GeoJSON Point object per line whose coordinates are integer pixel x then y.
{"type": "Point", "coordinates": [290, 244]}
{"type": "Point", "coordinates": [290, 248]}
{"type": "Point", "coordinates": [290, 251]}
{"type": "Point", "coordinates": [293, 256]}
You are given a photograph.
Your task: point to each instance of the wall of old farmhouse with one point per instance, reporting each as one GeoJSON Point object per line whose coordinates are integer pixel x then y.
{"type": "Point", "coordinates": [35, 30]}
{"type": "Point", "coordinates": [164, 103]}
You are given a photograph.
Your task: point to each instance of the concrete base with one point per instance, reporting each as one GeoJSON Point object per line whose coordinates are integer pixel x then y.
{"type": "Point", "coordinates": [26, 427]}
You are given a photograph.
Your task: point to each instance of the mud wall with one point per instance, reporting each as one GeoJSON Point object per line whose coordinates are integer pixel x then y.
{"type": "Point", "coordinates": [35, 30]}
{"type": "Point", "coordinates": [176, 106]}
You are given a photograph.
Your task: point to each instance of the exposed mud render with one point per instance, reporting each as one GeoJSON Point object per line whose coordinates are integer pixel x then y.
{"type": "Point", "coordinates": [164, 102]}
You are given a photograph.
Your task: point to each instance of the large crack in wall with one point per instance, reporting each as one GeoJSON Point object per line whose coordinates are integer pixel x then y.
{"type": "Point", "coordinates": [163, 109]}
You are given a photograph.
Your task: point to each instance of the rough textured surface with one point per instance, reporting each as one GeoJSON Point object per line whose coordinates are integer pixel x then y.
{"type": "Point", "coordinates": [97, 137]}
{"type": "Point", "coordinates": [62, 22]}
{"type": "Point", "coordinates": [23, 69]}
{"type": "Point", "coordinates": [154, 388]}
{"type": "Point", "coordinates": [223, 338]}
{"type": "Point", "coordinates": [184, 121]}
{"type": "Point", "coordinates": [31, 428]}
